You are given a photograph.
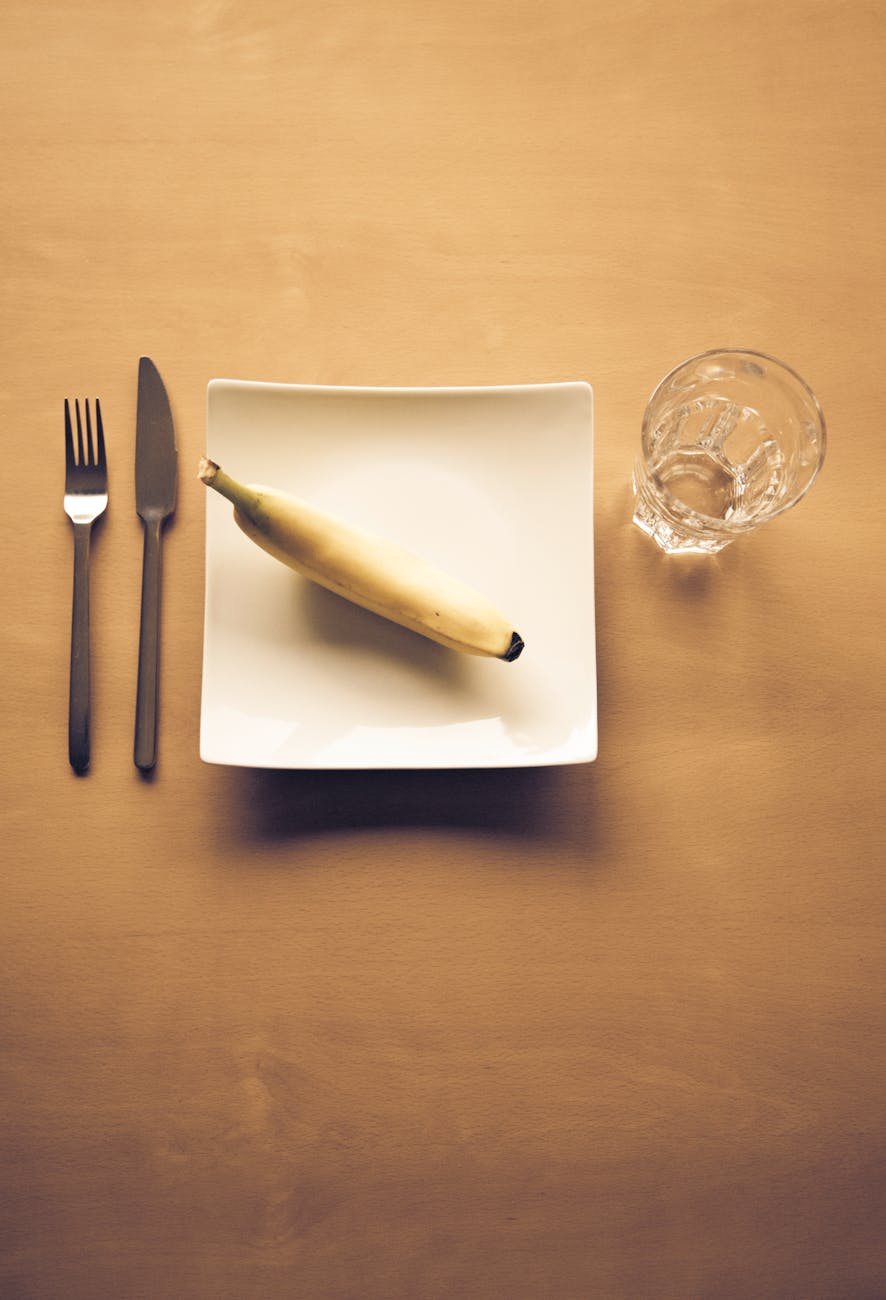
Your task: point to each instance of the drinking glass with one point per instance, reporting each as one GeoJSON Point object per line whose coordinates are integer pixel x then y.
{"type": "Point", "coordinates": [730, 440]}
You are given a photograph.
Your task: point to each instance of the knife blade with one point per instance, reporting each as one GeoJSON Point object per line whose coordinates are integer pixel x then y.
{"type": "Point", "coordinates": [155, 487]}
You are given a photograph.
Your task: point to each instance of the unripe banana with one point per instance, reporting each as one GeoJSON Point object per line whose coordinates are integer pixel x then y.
{"type": "Point", "coordinates": [377, 574]}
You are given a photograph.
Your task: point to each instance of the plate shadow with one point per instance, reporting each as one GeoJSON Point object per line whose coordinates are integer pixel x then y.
{"type": "Point", "coordinates": [550, 803]}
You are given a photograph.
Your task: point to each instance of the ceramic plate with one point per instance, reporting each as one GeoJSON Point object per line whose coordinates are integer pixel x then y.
{"type": "Point", "coordinates": [492, 484]}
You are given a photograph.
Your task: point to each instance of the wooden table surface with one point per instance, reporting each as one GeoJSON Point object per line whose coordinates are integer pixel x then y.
{"type": "Point", "coordinates": [602, 1031]}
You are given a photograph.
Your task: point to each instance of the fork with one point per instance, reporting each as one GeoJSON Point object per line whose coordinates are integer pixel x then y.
{"type": "Point", "coordinates": [86, 497]}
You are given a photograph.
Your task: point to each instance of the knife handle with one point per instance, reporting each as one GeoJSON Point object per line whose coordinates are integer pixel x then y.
{"type": "Point", "coordinates": [78, 695]}
{"type": "Point", "coordinates": [145, 752]}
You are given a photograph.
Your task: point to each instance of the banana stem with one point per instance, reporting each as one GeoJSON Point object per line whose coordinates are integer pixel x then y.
{"type": "Point", "coordinates": [242, 497]}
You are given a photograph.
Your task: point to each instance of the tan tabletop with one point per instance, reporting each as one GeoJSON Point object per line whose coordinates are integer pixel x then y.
{"type": "Point", "coordinates": [610, 1030]}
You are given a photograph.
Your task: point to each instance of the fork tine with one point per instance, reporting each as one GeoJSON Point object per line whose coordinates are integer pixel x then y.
{"type": "Point", "coordinates": [102, 460]}
{"type": "Point", "coordinates": [79, 431]}
{"type": "Point", "coordinates": [69, 438]}
{"type": "Point", "coordinates": [90, 450]}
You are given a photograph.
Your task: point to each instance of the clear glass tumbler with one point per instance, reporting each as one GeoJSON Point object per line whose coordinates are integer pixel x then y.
{"type": "Point", "coordinates": [730, 439]}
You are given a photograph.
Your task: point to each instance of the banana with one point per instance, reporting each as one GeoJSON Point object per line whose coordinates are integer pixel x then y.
{"type": "Point", "coordinates": [367, 570]}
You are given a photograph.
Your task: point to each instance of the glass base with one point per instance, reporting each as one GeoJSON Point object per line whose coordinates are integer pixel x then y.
{"type": "Point", "coordinates": [675, 536]}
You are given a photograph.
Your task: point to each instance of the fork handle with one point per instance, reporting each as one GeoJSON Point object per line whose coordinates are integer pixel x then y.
{"type": "Point", "coordinates": [145, 753]}
{"type": "Point", "coordinates": [78, 695]}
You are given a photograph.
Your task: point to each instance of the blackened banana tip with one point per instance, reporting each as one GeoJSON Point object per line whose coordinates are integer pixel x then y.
{"type": "Point", "coordinates": [515, 649]}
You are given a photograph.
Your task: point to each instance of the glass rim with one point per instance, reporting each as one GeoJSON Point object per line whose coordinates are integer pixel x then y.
{"type": "Point", "coordinates": [762, 356]}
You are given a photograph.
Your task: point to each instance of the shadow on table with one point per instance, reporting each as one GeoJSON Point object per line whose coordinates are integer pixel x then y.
{"type": "Point", "coordinates": [267, 806]}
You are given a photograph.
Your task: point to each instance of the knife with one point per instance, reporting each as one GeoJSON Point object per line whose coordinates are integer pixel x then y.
{"type": "Point", "coordinates": [155, 485]}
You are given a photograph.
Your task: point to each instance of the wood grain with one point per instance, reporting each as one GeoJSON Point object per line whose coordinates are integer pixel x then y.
{"type": "Point", "coordinates": [602, 1033]}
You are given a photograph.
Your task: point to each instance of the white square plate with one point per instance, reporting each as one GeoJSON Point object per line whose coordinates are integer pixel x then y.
{"type": "Point", "coordinates": [492, 484]}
